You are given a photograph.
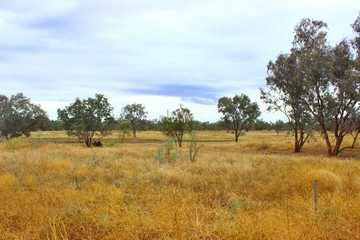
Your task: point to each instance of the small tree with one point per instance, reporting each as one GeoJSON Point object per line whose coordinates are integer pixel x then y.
{"type": "Point", "coordinates": [135, 113]}
{"type": "Point", "coordinates": [278, 126]}
{"type": "Point", "coordinates": [18, 116]}
{"type": "Point", "coordinates": [284, 90]}
{"type": "Point", "coordinates": [193, 148]}
{"type": "Point", "coordinates": [125, 129]}
{"type": "Point", "coordinates": [180, 122]}
{"type": "Point", "coordinates": [239, 111]}
{"type": "Point", "coordinates": [87, 118]}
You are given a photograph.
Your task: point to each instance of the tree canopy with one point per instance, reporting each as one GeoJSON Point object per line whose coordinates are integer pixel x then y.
{"type": "Point", "coordinates": [87, 118]}
{"type": "Point", "coordinates": [18, 116]}
{"type": "Point", "coordinates": [285, 86]}
{"type": "Point", "coordinates": [316, 84]}
{"type": "Point", "coordinates": [180, 122]}
{"type": "Point", "coordinates": [135, 114]}
{"type": "Point", "coordinates": [240, 111]}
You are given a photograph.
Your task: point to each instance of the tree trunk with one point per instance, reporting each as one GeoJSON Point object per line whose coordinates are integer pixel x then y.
{"type": "Point", "coordinates": [355, 138]}
{"type": "Point", "coordinates": [296, 147]}
{"type": "Point", "coordinates": [336, 149]}
{"type": "Point", "coordinates": [180, 142]}
{"type": "Point", "coordinates": [328, 145]}
{"type": "Point", "coordinates": [88, 139]}
{"type": "Point", "coordinates": [326, 136]}
{"type": "Point", "coordinates": [300, 141]}
{"type": "Point", "coordinates": [88, 142]}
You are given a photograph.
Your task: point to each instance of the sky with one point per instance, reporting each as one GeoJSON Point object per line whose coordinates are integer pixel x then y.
{"type": "Point", "coordinates": [158, 53]}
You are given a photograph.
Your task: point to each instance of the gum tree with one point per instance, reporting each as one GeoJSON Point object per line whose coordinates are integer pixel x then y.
{"type": "Point", "coordinates": [180, 122]}
{"type": "Point", "coordinates": [135, 114]}
{"type": "Point", "coordinates": [18, 116]}
{"type": "Point", "coordinates": [239, 111]}
{"type": "Point", "coordinates": [87, 118]}
{"type": "Point", "coordinates": [283, 93]}
{"type": "Point", "coordinates": [330, 81]}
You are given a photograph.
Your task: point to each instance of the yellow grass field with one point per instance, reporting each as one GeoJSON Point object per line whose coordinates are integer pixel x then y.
{"type": "Point", "coordinates": [254, 189]}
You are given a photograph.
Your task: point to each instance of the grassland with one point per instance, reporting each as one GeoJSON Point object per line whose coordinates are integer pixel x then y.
{"type": "Point", "coordinates": [254, 189]}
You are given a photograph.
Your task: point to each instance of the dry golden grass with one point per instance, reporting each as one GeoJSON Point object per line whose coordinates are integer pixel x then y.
{"type": "Point", "coordinates": [254, 189]}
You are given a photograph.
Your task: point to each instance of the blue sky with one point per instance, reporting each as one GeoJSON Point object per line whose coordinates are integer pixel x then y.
{"type": "Point", "coordinates": [158, 53]}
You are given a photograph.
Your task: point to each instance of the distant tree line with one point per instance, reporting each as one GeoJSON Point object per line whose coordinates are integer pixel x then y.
{"type": "Point", "coordinates": [91, 119]}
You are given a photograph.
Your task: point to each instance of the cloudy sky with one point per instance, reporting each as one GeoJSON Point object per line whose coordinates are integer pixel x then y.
{"type": "Point", "coordinates": [159, 53]}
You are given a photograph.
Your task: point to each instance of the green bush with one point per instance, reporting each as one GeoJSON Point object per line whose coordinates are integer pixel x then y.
{"type": "Point", "coordinates": [167, 152]}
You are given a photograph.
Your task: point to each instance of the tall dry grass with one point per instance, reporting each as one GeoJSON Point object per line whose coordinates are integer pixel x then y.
{"type": "Point", "coordinates": [256, 189]}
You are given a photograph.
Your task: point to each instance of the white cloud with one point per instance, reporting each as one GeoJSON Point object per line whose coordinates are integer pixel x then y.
{"type": "Point", "coordinates": [55, 51]}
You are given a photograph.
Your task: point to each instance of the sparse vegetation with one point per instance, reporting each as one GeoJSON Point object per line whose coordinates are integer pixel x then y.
{"type": "Point", "coordinates": [193, 147]}
{"type": "Point", "coordinates": [167, 152]}
{"type": "Point", "coordinates": [53, 188]}
{"type": "Point", "coordinates": [232, 190]}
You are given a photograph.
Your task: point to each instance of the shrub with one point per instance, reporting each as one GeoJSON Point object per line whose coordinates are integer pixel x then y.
{"type": "Point", "coordinates": [167, 151]}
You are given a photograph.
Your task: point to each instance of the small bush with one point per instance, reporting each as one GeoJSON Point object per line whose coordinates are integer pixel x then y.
{"type": "Point", "coordinates": [110, 144]}
{"type": "Point", "coordinates": [193, 148]}
{"type": "Point", "coordinates": [167, 152]}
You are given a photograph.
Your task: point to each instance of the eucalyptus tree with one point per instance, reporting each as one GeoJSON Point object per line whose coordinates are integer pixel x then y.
{"type": "Point", "coordinates": [316, 83]}
{"type": "Point", "coordinates": [87, 118]}
{"type": "Point", "coordinates": [284, 90]}
{"type": "Point", "coordinates": [177, 124]}
{"type": "Point", "coordinates": [135, 114]}
{"type": "Point", "coordinates": [355, 120]}
{"type": "Point", "coordinates": [239, 111]}
{"type": "Point", "coordinates": [331, 83]}
{"type": "Point", "coordinates": [18, 116]}
{"type": "Point", "coordinates": [356, 41]}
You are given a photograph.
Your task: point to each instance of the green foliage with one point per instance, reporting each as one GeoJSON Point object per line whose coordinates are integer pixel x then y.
{"type": "Point", "coordinates": [278, 126]}
{"type": "Point", "coordinates": [233, 203]}
{"type": "Point", "coordinates": [18, 116]}
{"type": "Point", "coordinates": [180, 122]}
{"type": "Point", "coordinates": [125, 129]}
{"type": "Point", "coordinates": [167, 152]}
{"type": "Point", "coordinates": [262, 125]}
{"type": "Point", "coordinates": [239, 111]}
{"type": "Point", "coordinates": [110, 144]}
{"type": "Point", "coordinates": [331, 80]}
{"type": "Point", "coordinates": [285, 87]}
{"type": "Point", "coordinates": [315, 85]}
{"type": "Point", "coordinates": [193, 148]}
{"type": "Point", "coordinates": [135, 114]}
{"type": "Point", "coordinates": [356, 41]}
{"type": "Point", "coordinates": [87, 118]}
